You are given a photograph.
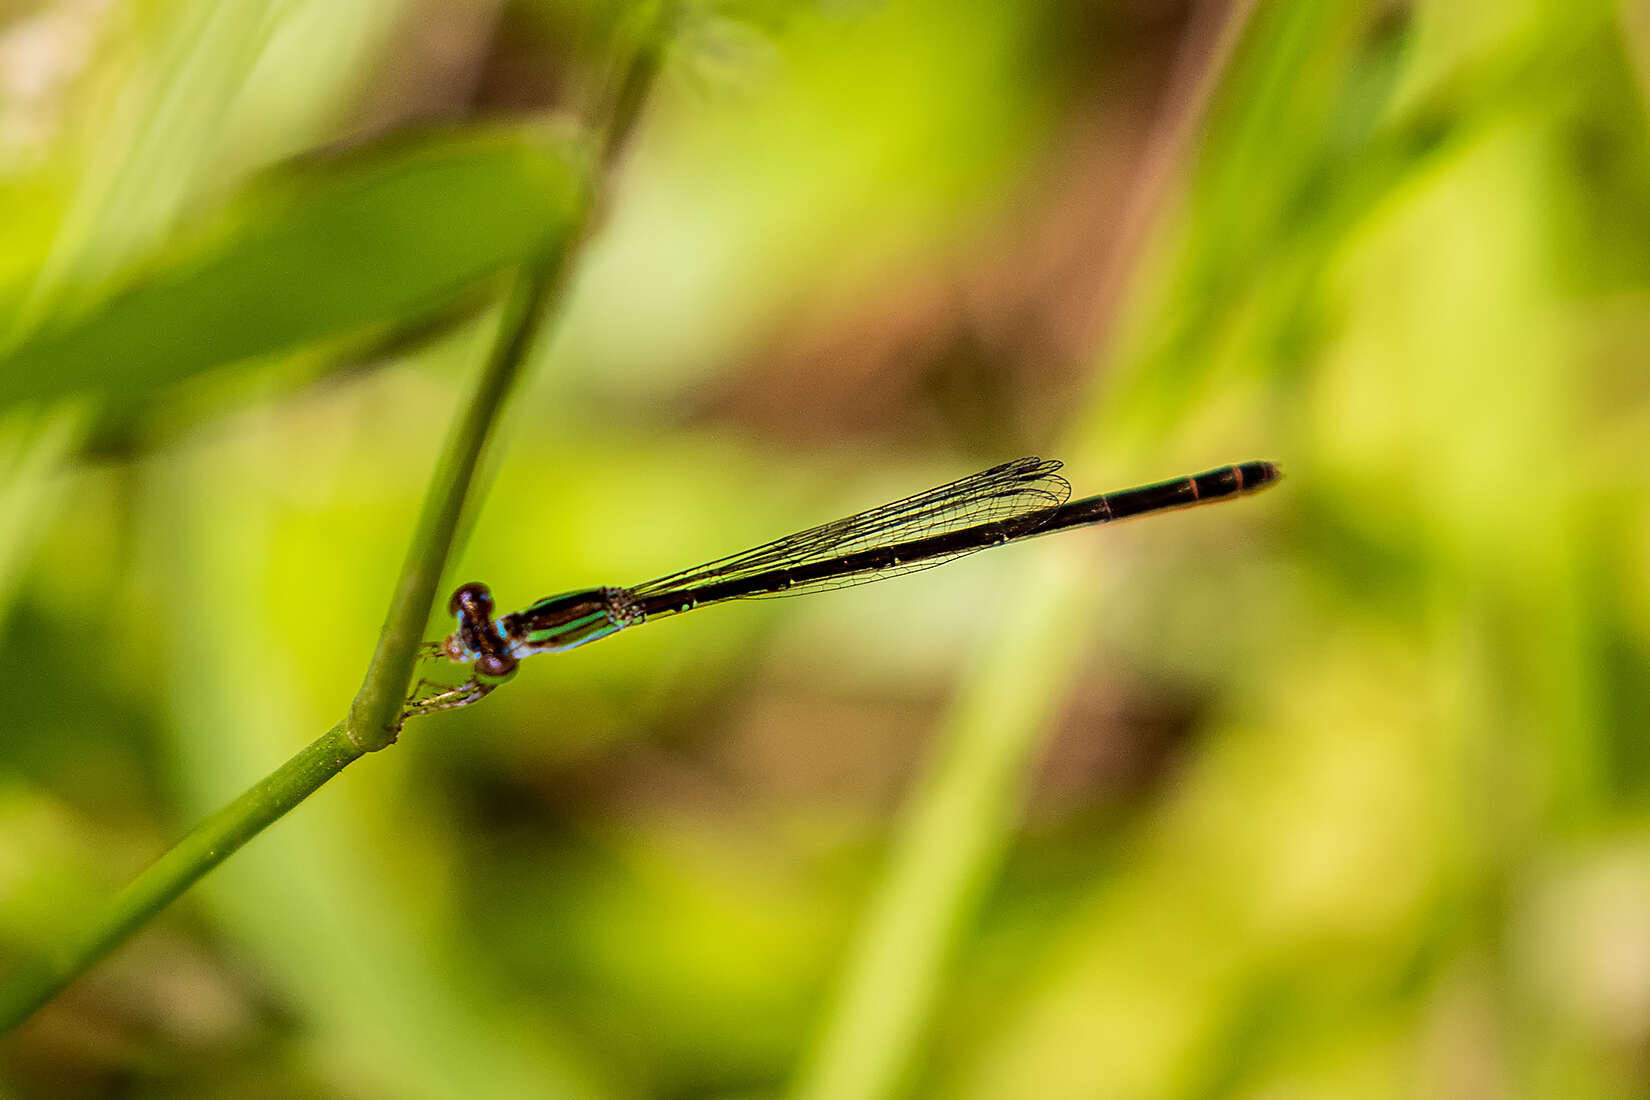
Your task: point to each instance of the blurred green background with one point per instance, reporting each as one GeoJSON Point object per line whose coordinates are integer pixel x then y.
{"type": "Point", "coordinates": [1339, 791]}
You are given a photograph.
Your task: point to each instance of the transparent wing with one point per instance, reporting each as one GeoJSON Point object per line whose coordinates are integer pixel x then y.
{"type": "Point", "coordinates": [1012, 489]}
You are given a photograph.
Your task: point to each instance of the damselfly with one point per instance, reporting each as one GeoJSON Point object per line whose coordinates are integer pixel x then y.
{"type": "Point", "coordinates": [1017, 500]}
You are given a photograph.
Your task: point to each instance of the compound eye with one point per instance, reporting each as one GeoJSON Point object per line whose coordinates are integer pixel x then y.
{"type": "Point", "coordinates": [492, 666]}
{"type": "Point", "coordinates": [474, 600]}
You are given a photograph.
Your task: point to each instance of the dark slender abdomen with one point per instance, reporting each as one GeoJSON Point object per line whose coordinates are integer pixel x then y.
{"type": "Point", "coordinates": [1182, 492]}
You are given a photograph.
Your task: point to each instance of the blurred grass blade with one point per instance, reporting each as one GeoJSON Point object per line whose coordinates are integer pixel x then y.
{"type": "Point", "coordinates": [32, 448]}
{"type": "Point", "coordinates": [946, 854]}
{"type": "Point", "coordinates": [314, 249]}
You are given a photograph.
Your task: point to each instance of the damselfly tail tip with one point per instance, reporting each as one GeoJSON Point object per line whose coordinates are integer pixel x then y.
{"type": "Point", "coordinates": [1258, 475]}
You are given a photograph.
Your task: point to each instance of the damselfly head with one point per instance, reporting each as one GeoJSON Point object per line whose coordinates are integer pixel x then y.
{"type": "Point", "coordinates": [478, 638]}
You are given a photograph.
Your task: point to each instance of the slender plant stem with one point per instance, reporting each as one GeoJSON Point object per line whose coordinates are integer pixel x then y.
{"type": "Point", "coordinates": [206, 845]}
{"type": "Point", "coordinates": [374, 716]}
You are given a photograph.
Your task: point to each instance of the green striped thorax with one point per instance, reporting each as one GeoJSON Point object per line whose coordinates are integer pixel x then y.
{"type": "Point", "coordinates": [569, 620]}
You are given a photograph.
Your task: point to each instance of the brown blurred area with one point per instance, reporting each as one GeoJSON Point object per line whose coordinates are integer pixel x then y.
{"type": "Point", "coordinates": [1000, 328]}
